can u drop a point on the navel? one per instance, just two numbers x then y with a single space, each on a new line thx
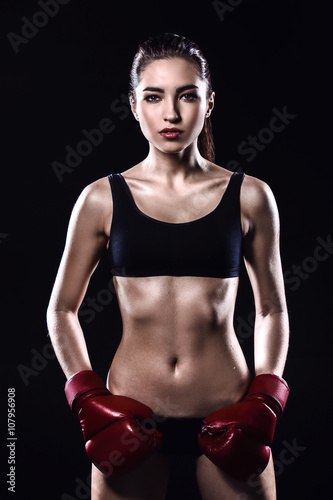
174 362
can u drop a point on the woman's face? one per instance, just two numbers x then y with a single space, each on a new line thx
171 95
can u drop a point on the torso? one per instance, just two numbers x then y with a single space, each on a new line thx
179 353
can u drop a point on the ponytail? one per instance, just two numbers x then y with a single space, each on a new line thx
206 141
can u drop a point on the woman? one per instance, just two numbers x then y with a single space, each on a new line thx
175 226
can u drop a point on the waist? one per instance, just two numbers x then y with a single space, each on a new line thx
186 384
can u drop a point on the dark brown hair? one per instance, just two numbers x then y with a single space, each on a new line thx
170 45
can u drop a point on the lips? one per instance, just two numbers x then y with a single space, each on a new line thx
171 133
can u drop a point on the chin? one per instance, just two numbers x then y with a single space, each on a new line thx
172 151
171 148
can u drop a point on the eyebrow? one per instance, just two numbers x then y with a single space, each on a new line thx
178 90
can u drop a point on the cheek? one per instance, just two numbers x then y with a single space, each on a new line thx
147 117
195 112
148 125
196 118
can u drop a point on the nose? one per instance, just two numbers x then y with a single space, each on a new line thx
171 112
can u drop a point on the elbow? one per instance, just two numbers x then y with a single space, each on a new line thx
50 310
277 318
55 313
265 312
51 319
275 304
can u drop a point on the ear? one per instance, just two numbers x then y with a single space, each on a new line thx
133 107
211 101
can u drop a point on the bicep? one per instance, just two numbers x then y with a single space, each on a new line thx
85 242
262 249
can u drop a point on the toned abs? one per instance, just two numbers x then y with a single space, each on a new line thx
179 353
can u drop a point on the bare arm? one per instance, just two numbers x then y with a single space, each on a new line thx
263 263
86 238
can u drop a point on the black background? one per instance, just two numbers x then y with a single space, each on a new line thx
263 55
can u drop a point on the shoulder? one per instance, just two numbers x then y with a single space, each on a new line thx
94 195
257 202
94 204
256 193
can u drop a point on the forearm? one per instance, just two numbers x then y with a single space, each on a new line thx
271 340
68 341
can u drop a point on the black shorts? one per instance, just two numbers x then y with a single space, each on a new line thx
180 435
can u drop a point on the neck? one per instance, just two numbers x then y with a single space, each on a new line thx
171 166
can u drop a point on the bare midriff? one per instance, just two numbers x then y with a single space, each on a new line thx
179 353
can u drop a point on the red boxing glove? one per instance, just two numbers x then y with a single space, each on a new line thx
238 437
118 431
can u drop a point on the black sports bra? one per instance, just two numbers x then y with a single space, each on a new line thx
143 246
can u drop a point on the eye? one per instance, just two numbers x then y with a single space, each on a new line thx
152 98
189 97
